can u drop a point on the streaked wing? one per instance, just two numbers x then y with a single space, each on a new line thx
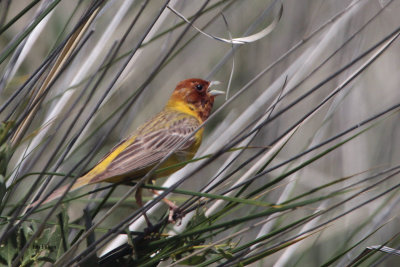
150 147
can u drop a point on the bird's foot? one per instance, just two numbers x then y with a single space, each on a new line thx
149 229
152 231
175 215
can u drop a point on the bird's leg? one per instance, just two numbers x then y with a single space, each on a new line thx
139 201
174 211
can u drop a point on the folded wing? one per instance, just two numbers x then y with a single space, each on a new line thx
149 147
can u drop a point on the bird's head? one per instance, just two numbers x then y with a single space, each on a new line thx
196 95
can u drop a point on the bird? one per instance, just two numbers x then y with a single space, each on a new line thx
187 108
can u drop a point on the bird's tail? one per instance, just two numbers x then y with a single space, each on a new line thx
80 182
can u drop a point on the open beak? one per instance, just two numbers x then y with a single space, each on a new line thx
215 92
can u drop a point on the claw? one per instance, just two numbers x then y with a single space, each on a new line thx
175 215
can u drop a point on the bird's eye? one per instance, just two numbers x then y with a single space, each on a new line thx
199 87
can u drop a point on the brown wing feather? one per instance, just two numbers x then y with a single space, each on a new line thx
149 148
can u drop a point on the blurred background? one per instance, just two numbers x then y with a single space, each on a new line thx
76 77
